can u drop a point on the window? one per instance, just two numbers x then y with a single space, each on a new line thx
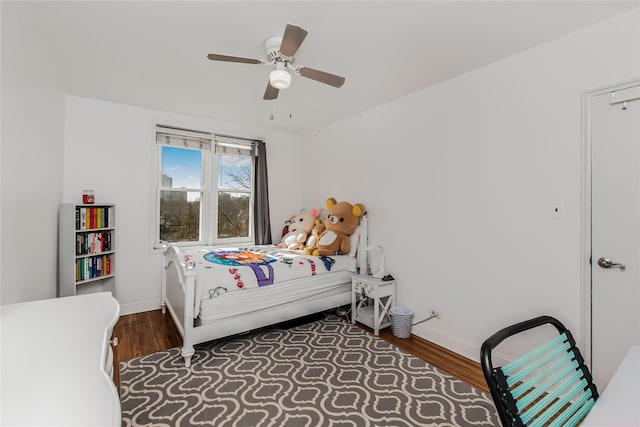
204 188
234 189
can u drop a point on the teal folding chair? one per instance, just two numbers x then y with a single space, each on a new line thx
549 386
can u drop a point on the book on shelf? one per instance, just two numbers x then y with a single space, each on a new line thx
92 267
93 243
89 218
83 218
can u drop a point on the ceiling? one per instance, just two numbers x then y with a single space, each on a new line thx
153 53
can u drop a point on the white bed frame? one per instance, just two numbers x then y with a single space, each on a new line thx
178 295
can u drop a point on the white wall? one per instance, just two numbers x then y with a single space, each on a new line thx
32 161
109 149
467 169
459 180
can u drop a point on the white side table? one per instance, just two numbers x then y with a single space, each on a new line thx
381 293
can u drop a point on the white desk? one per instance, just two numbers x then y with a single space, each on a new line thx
619 402
55 357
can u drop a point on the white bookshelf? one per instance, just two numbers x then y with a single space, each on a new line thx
86 249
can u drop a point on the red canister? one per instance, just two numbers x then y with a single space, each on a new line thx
88 197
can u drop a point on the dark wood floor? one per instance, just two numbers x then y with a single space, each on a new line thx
145 333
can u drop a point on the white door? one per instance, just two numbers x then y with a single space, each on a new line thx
615 232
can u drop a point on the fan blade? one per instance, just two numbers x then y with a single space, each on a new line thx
270 92
292 39
226 58
321 76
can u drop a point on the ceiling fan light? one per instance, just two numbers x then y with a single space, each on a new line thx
280 79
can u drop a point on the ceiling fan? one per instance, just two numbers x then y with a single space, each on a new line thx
281 51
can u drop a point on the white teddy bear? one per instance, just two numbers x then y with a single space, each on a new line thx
300 226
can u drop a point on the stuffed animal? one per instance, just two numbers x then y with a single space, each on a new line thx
285 228
312 241
300 226
342 221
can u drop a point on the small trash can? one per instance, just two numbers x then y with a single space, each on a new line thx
401 318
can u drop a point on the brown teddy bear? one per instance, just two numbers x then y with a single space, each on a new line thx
312 241
342 221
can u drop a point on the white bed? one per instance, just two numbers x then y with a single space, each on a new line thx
233 303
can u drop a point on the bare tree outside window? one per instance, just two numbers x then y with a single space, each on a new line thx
179 217
234 175
240 177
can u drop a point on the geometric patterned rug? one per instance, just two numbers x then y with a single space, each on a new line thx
325 373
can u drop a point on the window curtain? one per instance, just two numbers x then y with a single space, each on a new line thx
262 220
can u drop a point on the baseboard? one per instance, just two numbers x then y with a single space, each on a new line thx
139 307
447 341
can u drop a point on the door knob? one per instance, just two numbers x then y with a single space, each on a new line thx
608 263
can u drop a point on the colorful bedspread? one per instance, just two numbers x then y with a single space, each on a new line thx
221 270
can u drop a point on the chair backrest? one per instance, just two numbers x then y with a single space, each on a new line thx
549 386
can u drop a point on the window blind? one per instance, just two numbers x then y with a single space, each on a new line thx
238 146
183 138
